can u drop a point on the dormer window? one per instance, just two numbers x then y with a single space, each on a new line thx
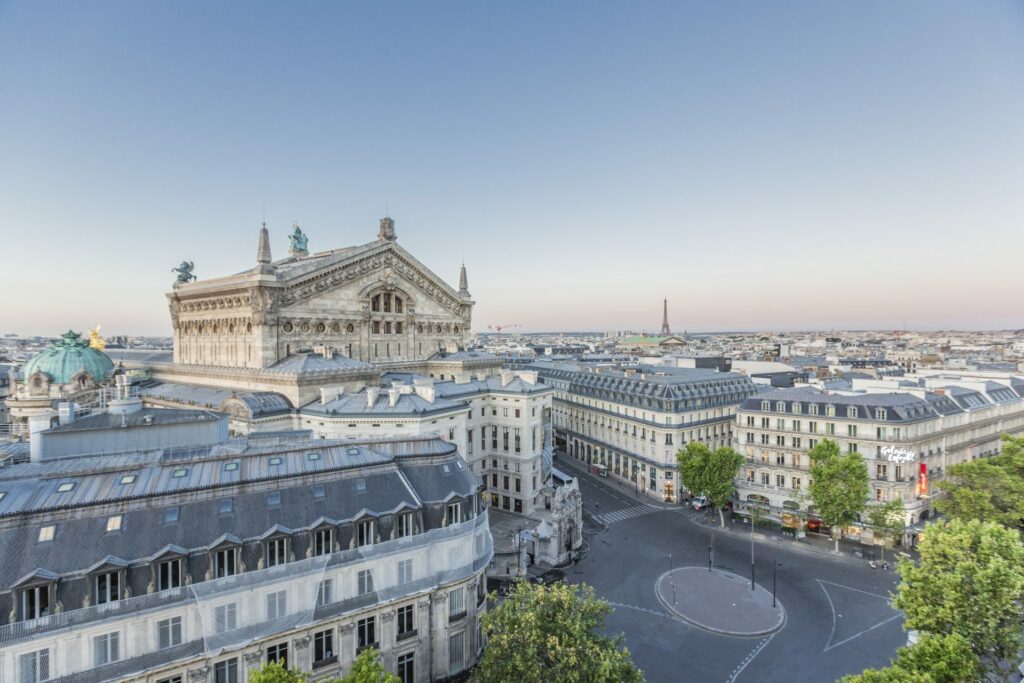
34 602
276 551
108 587
168 574
453 513
323 541
813 409
880 414
225 562
403 525
171 515
46 533
113 523
766 406
830 411
365 533
851 412
780 407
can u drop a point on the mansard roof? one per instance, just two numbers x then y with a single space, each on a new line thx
894 407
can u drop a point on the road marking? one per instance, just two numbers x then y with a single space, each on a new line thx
623 514
851 588
750 657
829 645
660 613
858 635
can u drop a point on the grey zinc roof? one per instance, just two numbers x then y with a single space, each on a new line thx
310 363
463 390
260 403
163 416
355 405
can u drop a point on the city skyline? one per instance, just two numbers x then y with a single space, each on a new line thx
584 165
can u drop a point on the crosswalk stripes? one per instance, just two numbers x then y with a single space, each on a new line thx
614 516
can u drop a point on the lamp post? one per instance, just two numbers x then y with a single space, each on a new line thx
751 547
711 551
775 566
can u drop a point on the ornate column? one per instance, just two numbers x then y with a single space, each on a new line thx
346 644
303 653
387 635
252 661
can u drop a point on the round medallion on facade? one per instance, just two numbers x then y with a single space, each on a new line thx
335 328
304 327
321 328
350 328
288 327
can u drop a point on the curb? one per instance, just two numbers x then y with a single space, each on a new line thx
784 543
711 629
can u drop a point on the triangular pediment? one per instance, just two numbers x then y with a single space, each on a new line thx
394 265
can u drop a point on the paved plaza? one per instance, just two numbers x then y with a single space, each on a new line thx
834 611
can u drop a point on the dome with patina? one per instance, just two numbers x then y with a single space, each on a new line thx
64 359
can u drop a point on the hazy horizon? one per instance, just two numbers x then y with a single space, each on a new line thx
778 167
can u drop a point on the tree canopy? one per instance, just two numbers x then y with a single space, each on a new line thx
969 581
887 519
552 633
839 485
366 669
709 473
990 489
933 659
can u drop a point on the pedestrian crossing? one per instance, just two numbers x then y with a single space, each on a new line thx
608 518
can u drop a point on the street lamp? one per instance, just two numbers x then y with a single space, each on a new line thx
752 547
775 566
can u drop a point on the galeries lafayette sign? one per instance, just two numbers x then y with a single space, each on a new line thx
894 454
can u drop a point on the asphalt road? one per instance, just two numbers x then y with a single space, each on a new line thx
838 617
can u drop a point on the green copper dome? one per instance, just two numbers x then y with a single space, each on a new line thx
63 359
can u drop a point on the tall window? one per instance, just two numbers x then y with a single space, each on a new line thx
457 603
365 581
224 563
455 652
106 649
323 646
406 621
226 671
277 605
404 571
168 632
225 618
364 533
108 587
168 574
406 671
34 667
323 592
276 551
278 653
322 541
35 602
366 632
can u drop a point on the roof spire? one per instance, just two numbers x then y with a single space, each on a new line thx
463 282
263 251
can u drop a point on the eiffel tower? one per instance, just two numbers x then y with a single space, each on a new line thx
664 321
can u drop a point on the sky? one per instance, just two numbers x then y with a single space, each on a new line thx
768 166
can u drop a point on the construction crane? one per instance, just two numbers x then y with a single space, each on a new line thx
498 328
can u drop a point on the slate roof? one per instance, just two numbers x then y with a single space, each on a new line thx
367 478
897 407
310 363
467 390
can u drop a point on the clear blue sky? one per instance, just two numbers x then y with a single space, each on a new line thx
771 165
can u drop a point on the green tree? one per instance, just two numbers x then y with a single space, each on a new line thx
368 669
933 659
552 633
888 520
709 473
970 582
839 485
274 672
990 489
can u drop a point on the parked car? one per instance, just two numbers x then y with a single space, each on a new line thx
700 502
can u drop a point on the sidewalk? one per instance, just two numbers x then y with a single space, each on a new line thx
812 543
568 463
